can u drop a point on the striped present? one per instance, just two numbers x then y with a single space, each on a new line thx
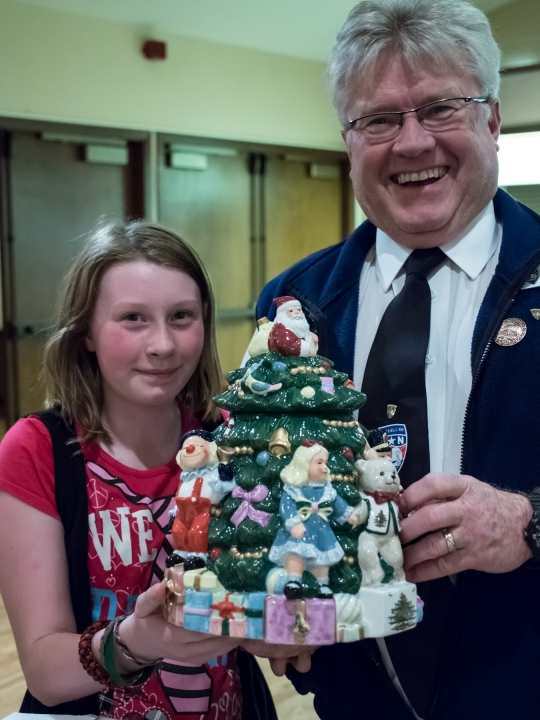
197 610
254 613
228 616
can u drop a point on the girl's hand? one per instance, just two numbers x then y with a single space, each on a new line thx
150 637
298 531
299 656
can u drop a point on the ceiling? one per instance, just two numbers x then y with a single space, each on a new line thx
302 28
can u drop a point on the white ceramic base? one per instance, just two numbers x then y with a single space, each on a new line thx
388 609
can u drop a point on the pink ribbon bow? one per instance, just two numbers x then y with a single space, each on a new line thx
246 509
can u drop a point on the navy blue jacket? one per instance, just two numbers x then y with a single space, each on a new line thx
492 668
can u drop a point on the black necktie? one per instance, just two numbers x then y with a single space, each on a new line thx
396 375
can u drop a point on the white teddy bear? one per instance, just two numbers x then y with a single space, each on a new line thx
379 489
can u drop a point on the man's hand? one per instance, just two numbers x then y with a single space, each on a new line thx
279 655
486 524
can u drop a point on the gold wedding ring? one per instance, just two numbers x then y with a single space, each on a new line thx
449 540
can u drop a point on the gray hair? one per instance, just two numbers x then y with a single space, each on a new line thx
448 33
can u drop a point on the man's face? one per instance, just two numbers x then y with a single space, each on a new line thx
431 212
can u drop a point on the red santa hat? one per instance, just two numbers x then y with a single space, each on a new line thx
286 302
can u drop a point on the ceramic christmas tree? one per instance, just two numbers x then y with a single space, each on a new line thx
283 543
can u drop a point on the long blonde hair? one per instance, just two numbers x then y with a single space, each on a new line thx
70 371
296 472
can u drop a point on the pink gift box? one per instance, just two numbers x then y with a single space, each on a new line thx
232 628
297 622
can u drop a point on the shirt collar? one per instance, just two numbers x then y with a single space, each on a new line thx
471 250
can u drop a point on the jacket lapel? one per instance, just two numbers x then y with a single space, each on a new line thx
519 255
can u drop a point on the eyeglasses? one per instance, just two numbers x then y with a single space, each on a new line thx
434 116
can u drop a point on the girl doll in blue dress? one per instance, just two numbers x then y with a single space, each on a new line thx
306 541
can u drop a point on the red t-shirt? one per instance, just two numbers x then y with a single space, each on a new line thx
128 514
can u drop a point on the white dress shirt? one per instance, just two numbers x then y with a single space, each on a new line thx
457 288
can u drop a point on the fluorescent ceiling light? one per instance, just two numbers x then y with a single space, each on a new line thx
519 159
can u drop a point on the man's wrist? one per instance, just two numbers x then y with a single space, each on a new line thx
531 530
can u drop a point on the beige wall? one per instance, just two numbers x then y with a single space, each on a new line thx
517 30
62 67
516 27
520 100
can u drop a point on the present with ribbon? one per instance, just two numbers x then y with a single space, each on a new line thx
349 614
299 622
350 633
228 616
173 607
254 613
202 579
246 509
197 610
229 628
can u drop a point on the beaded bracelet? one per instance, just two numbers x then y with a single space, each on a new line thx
92 667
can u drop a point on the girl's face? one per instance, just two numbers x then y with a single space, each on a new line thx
318 469
147 332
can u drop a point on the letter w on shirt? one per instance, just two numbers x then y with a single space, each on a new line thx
121 542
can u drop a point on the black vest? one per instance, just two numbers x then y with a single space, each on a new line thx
72 506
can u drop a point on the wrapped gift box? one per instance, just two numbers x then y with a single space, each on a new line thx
254 613
202 579
173 608
297 622
224 626
388 608
349 617
228 615
197 610
350 633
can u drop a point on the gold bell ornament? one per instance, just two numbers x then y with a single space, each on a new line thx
279 443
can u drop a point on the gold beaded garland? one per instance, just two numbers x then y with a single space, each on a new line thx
342 478
242 556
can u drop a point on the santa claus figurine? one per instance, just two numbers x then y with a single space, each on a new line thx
291 334
203 482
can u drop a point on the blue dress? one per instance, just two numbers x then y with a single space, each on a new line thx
313 505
